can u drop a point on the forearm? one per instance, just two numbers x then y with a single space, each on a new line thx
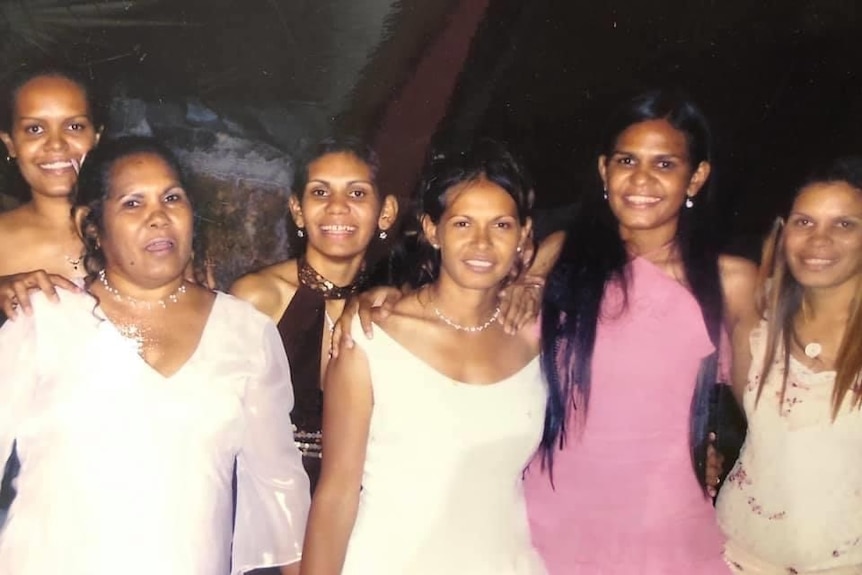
330 524
547 254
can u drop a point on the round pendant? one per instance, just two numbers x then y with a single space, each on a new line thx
813 349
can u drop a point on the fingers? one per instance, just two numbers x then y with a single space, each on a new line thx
714 467
519 305
366 319
15 290
209 273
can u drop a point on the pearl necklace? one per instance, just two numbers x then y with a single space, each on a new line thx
468 328
134 302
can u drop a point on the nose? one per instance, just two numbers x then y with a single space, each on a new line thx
821 235
641 174
337 204
481 236
56 140
157 217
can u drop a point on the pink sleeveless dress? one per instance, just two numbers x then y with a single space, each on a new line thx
626 499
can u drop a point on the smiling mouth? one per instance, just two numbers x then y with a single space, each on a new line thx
479 265
59 166
338 229
817 262
638 200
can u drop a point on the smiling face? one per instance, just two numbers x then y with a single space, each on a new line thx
147 222
648 175
340 209
51 133
478 234
823 236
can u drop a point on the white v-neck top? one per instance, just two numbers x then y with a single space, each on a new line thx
124 470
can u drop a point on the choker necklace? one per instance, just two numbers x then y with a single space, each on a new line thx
134 302
468 328
310 278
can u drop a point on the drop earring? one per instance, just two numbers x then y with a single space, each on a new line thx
382 235
300 233
605 193
689 202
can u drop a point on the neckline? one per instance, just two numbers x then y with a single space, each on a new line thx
191 359
317 283
458 383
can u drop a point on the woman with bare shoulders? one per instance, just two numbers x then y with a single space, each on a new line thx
338 211
49 122
631 334
793 501
428 427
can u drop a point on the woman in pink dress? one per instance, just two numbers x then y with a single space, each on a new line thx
634 314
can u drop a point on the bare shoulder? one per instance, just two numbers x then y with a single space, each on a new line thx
269 289
736 273
13 222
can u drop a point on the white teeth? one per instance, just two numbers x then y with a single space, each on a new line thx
338 228
479 263
642 200
816 262
57 166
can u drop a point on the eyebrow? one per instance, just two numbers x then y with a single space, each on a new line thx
350 182
75 117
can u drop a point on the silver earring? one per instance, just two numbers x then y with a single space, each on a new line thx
300 233
382 235
519 249
689 203
605 194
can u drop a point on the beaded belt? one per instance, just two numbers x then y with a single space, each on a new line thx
308 443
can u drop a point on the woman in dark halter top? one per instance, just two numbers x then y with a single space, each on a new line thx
338 212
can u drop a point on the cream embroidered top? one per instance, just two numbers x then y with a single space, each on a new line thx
794 497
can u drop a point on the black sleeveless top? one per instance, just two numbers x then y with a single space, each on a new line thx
301 328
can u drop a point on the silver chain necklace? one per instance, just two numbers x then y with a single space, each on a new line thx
468 328
134 302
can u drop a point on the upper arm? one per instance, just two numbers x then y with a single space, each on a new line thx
347 406
739 284
262 291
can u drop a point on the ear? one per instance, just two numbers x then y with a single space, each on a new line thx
388 213
10 145
85 231
429 228
603 170
526 233
295 211
698 179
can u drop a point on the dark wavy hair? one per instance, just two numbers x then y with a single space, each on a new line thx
22 76
414 261
94 183
594 256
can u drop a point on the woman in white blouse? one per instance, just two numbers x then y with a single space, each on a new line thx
132 403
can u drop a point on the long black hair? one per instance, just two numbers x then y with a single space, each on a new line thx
594 256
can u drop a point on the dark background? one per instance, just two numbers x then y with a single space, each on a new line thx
780 80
